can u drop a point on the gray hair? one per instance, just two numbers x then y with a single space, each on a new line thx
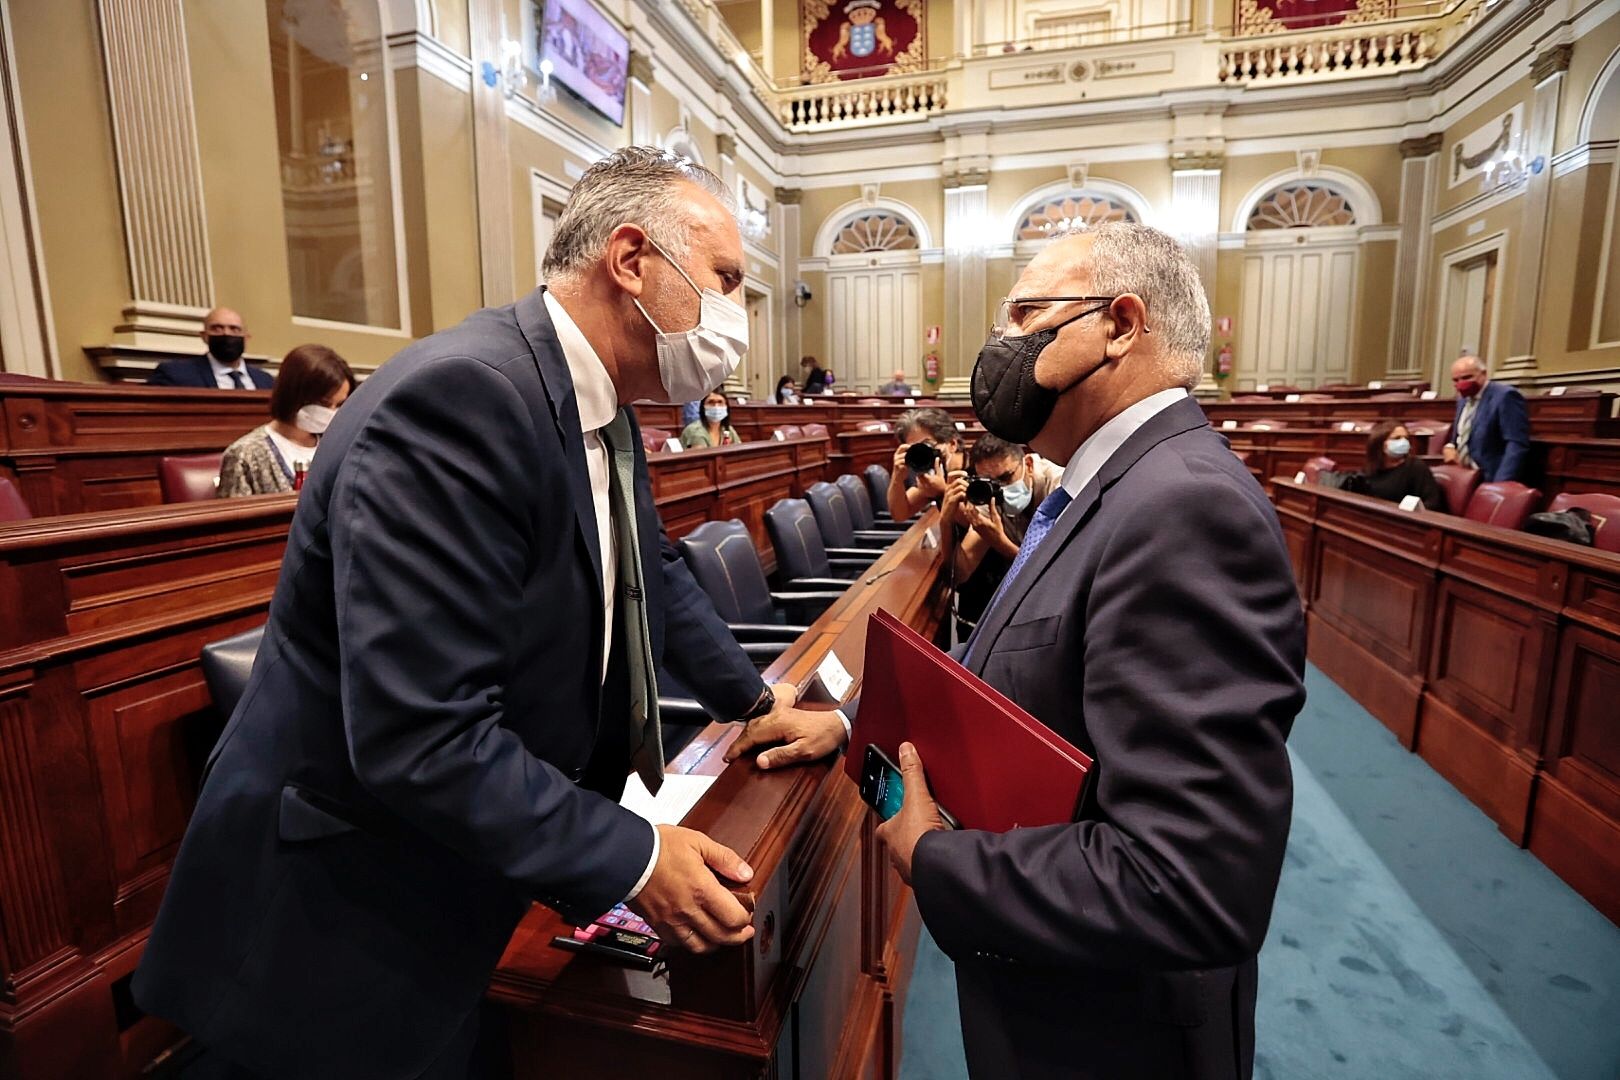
1473 361
1129 258
638 185
936 422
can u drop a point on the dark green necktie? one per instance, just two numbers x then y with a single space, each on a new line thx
646 740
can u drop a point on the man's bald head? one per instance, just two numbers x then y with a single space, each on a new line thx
223 320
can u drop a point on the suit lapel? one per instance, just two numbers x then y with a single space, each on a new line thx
535 322
1183 416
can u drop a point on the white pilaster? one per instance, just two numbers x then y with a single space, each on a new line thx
1410 300
967 224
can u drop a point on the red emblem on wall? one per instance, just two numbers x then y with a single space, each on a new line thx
1278 16
854 39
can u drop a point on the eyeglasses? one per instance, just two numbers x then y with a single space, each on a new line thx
1015 310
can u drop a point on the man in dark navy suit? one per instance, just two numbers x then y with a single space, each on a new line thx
458 669
1491 428
222 368
1151 619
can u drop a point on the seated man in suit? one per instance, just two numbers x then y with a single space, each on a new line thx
1151 619
897 385
458 670
1491 429
222 368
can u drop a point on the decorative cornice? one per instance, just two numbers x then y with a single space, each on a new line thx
641 68
1204 161
1423 147
1555 61
967 178
787 196
726 143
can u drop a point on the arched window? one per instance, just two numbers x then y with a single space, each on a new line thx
337 184
1301 206
1077 209
876 230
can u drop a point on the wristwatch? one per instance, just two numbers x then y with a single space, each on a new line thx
766 702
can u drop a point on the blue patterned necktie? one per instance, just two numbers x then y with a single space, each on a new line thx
236 378
1046 516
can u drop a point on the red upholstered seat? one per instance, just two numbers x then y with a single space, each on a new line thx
1503 502
1458 482
790 431
1605 511
12 507
1317 466
192 478
653 439
815 431
873 425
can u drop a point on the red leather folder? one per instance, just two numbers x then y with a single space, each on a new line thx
990 763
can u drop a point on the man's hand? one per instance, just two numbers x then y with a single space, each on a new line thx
987 523
685 902
794 736
933 483
896 475
918 814
1448 454
955 508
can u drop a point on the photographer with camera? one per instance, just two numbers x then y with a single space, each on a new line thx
930 452
992 505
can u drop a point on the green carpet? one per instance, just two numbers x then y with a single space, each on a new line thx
1410 938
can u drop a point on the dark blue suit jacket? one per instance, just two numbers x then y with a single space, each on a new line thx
1158 628
414 756
1500 437
196 371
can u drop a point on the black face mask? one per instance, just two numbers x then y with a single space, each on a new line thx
1006 397
226 348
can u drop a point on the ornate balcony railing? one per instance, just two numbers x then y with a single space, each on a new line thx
889 98
1347 49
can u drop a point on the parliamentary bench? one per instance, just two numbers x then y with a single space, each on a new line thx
1575 414
1493 653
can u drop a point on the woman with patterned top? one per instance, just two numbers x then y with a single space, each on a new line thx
312 383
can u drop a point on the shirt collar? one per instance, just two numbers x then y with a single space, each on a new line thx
594 393
1100 445
222 368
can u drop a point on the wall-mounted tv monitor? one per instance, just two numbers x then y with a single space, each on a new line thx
589 55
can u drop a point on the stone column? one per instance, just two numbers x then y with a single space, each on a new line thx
788 241
1419 159
491 155
1524 296
727 145
641 83
967 200
1195 194
154 129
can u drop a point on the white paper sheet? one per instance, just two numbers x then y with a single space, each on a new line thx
672 803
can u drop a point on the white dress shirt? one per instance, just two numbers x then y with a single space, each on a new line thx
222 374
598 403
1100 445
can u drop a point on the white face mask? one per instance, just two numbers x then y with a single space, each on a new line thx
691 363
314 419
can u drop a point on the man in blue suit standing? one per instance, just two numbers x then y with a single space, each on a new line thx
458 670
223 367
1491 430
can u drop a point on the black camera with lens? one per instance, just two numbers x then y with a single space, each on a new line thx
920 457
982 492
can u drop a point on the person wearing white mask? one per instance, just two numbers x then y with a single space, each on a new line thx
713 425
991 517
312 383
460 665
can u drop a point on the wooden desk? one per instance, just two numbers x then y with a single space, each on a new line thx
741 482
1568 416
821 989
74 448
1494 654
105 722
757 420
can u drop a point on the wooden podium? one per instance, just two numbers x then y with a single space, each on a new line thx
820 990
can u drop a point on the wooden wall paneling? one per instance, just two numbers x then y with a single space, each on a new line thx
1578 465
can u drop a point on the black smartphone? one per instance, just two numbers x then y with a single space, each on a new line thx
883 788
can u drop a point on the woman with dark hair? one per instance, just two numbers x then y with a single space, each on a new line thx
787 392
312 383
815 380
1394 472
713 428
